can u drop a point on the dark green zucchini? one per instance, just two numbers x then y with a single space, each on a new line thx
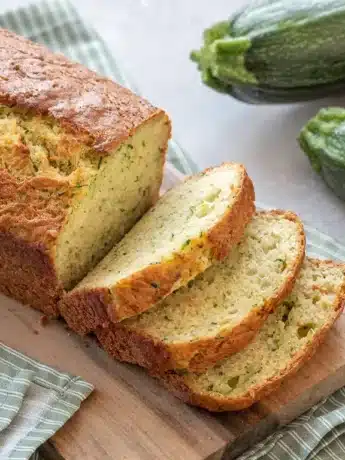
277 51
323 140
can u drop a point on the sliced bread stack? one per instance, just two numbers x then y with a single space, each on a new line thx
219 312
289 337
209 296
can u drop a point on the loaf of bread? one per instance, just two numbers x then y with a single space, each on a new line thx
81 159
287 340
222 309
190 227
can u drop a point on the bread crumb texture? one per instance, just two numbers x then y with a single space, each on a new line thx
221 297
287 334
33 146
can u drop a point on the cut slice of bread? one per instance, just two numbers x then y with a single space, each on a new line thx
287 340
190 227
220 311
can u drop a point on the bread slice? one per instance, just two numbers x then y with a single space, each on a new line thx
287 340
81 159
220 312
191 226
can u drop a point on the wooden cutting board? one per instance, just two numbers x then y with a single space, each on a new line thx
131 417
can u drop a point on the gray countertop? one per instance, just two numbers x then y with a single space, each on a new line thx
152 39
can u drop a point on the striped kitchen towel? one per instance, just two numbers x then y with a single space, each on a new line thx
319 434
35 401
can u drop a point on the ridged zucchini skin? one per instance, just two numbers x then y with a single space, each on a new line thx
323 141
277 51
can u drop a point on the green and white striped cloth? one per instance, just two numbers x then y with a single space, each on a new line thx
318 434
35 401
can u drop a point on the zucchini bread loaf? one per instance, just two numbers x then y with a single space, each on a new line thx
81 159
190 227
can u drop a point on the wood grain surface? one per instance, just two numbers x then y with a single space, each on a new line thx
131 417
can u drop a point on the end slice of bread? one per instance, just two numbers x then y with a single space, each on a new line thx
287 340
219 312
190 227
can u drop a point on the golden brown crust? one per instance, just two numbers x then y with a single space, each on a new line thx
32 213
142 290
27 274
131 345
178 384
127 345
34 209
32 77
225 234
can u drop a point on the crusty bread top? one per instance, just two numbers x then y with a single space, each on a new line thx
286 340
32 77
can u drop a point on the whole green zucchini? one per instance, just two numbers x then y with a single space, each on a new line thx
277 51
323 140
